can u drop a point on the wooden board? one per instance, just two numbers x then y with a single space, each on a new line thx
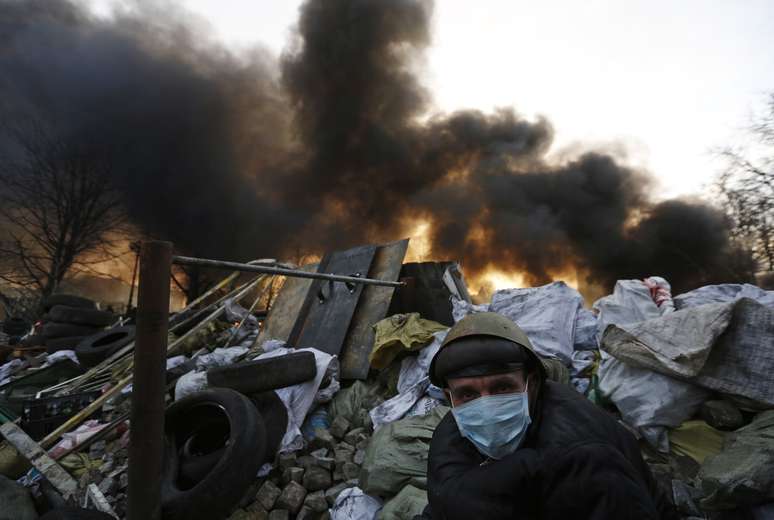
48 467
373 306
327 312
282 316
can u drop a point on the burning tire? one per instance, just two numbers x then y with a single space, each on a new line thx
67 300
217 424
75 315
93 349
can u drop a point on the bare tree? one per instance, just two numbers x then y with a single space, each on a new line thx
746 187
59 212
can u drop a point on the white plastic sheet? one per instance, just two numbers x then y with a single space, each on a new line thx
7 370
298 399
354 504
219 357
722 293
414 387
59 355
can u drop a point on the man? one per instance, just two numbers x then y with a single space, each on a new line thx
516 446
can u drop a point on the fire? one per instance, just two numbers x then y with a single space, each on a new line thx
420 245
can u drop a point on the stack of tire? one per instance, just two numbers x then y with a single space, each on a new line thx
69 320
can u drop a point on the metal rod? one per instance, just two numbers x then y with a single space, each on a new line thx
203 262
134 280
146 436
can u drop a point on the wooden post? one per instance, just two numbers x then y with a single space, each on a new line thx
146 448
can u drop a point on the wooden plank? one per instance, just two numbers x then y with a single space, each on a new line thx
48 467
283 313
373 306
331 305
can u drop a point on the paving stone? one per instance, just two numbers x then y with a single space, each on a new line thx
286 460
306 461
279 514
332 493
316 502
306 514
322 439
354 436
350 470
325 462
322 452
359 457
343 455
316 478
292 498
292 475
339 427
268 494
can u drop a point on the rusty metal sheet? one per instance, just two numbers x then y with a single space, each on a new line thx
327 312
373 306
283 313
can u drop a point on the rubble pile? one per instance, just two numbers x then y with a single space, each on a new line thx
261 426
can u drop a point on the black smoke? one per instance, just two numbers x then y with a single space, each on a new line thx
332 144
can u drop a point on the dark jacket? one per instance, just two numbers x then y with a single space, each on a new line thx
576 463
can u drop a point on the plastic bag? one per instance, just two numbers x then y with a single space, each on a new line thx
397 454
353 504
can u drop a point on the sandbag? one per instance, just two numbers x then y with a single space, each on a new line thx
354 402
742 473
631 302
723 293
546 314
411 501
585 335
723 347
397 454
401 333
649 401
697 440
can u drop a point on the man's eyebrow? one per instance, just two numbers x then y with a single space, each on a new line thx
505 379
464 388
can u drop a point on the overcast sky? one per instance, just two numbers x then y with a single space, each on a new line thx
669 80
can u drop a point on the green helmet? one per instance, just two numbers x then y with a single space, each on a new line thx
481 326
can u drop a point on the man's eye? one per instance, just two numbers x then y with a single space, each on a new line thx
505 389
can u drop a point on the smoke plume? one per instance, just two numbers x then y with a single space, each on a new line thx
332 144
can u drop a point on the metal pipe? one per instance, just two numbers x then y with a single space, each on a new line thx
203 262
247 315
146 435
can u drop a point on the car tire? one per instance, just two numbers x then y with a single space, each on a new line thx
275 419
69 343
66 330
68 300
93 349
251 377
75 513
16 326
210 415
94 317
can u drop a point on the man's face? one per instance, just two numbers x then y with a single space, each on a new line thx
464 389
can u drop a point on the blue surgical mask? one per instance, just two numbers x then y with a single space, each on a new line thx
495 424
